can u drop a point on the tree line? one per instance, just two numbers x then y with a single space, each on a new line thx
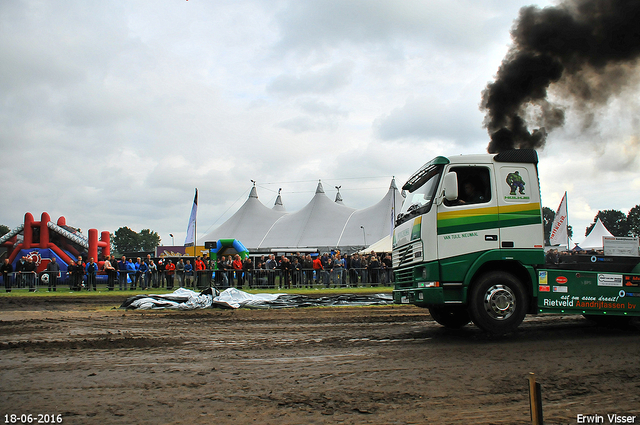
615 221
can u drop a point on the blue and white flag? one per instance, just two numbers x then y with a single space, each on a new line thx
191 229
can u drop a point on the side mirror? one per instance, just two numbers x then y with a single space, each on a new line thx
450 186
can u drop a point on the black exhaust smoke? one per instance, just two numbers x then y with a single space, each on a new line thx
585 50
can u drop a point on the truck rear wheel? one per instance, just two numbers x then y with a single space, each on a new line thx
498 303
453 317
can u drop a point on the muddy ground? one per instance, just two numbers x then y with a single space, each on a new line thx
94 364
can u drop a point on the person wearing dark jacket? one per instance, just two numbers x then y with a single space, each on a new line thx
53 272
6 269
29 270
92 271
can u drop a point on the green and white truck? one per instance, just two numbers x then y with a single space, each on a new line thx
468 245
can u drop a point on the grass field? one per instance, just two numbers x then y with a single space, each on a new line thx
101 292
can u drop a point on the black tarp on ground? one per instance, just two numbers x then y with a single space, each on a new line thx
185 299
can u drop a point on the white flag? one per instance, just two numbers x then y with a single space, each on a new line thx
559 233
191 229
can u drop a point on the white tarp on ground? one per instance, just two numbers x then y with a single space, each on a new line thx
185 299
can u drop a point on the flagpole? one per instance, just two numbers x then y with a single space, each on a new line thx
567 204
195 231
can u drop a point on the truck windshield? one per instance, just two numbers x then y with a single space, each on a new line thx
421 194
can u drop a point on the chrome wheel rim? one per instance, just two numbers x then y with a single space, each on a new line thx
500 302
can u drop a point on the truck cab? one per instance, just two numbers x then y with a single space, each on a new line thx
469 237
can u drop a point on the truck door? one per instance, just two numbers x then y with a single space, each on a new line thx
469 226
519 207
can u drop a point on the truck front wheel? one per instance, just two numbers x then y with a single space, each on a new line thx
498 303
453 317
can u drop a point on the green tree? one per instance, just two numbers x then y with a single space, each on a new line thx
633 220
548 215
4 229
148 239
126 240
615 221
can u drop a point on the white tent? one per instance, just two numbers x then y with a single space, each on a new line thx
318 224
249 224
383 245
594 239
322 224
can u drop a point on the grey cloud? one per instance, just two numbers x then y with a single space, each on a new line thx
303 124
316 24
315 107
428 118
326 80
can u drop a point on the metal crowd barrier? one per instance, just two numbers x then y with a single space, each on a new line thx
201 279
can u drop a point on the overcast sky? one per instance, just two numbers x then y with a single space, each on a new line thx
112 113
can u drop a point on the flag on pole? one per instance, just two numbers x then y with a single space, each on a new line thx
191 228
559 234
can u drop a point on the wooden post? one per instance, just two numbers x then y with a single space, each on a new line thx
535 400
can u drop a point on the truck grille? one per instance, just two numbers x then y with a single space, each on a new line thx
402 256
404 278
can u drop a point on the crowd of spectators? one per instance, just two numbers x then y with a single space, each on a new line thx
304 270
265 271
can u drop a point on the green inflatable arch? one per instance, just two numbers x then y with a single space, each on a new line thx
225 245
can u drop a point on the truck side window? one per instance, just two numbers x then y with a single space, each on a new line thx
474 185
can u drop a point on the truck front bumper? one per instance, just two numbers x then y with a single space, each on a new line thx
422 297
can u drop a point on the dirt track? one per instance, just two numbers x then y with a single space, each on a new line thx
370 365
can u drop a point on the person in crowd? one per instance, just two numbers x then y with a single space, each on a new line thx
337 269
169 269
364 271
153 275
318 268
552 257
237 268
7 274
91 270
388 265
221 274
79 275
374 269
138 273
285 272
71 275
19 275
200 267
131 271
247 270
53 273
122 267
327 266
188 273
161 274
354 269
296 272
180 272
29 272
108 269
260 273
271 266
143 271
307 271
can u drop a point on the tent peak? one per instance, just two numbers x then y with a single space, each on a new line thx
338 196
279 206
319 189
